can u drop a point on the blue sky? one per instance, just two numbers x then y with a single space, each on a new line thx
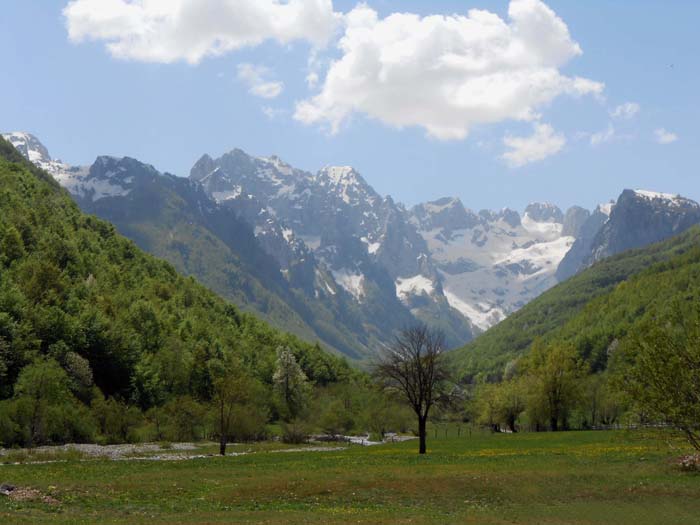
82 101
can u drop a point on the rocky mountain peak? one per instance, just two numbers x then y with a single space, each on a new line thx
544 212
29 146
447 213
511 217
203 167
605 208
34 151
657 199
347 184
638 218
574 219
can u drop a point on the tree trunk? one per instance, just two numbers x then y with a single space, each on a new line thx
554 424
421 434
222 444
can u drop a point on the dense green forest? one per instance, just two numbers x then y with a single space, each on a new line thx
95 335
593 310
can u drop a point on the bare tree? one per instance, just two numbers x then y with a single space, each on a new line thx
414 366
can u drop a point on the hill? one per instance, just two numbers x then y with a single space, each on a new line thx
73 289
593 309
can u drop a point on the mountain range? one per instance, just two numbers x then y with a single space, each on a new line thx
325 256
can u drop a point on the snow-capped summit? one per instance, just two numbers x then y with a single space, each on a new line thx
34 151
347 184
447 213
669 199
29 146
339 174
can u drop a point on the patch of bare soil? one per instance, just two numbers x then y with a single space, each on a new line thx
27 494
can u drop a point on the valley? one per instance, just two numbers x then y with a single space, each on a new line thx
315 261
324 255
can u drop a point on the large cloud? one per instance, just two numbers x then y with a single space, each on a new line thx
447 73
172 30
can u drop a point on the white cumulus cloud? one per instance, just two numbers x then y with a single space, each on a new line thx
664 136
172 30
625 111
256 77
447 73
544 142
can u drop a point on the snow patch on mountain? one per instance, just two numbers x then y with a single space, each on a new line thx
548 230
220 196
97 189
416 285
35 152
606 208
77 180
342 181
670 198
501 262
351 281
372 247
481 315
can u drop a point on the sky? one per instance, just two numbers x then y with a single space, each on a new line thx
498 102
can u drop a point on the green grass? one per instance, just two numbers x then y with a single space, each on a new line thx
578 477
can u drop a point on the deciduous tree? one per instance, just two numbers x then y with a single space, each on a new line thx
663 380
414 366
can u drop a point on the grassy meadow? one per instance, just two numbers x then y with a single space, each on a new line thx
570 477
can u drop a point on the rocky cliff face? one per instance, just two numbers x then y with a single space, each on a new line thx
638 218
574 220
643 217
572 262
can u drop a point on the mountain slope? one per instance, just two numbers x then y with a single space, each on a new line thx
172 218
572 306
336 224
71 286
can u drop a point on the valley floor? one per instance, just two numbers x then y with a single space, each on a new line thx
575 478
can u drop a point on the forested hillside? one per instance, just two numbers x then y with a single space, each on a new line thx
171 218
84 305
594 309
